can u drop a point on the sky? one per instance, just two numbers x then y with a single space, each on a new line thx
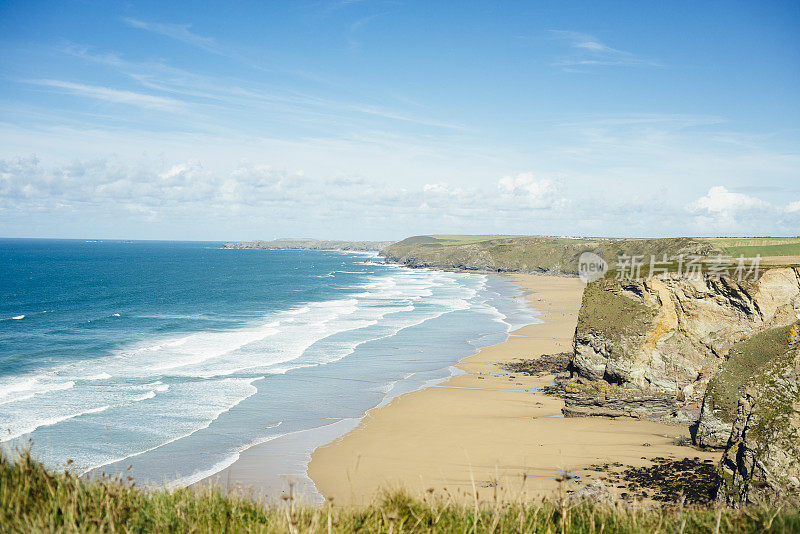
381 119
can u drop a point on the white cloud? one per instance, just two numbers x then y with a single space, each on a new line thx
182 172
158 190
254 200
178 32
116 96
587 50
721 201
532 192
435 188
721 209
794 207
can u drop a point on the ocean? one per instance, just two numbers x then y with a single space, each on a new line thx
174 357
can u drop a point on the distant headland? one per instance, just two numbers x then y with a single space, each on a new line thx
311 244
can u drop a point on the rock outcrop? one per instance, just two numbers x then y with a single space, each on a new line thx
659 341
595 491
745 360
600 398
762 460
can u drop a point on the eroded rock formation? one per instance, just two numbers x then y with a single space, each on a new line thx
762 459
659 342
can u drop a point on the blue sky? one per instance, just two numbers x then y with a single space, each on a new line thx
381 119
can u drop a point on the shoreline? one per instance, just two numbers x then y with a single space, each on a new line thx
270 469
488 433
258 471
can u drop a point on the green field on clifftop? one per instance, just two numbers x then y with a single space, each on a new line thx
542 254
752 246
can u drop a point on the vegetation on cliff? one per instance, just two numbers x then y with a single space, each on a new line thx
608 312
554 255
762 460
746 360
33 499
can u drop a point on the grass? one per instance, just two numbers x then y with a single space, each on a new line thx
752 246
446 240
530 253
610 314
33 499
454 239
765 251
775 413
746 359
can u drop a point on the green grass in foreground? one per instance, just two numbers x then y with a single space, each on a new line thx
33 499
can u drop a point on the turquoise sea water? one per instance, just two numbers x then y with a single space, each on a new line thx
175 357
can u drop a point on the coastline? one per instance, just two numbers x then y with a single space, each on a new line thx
264 470
488 434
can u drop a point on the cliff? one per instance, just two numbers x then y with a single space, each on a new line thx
662 340
761 463
550 255
715 353
311 244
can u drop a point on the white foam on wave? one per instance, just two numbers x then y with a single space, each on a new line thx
405 290
159 386
18 317
13 389
99 376
198 348
14 431
496 314
25 418
223 464
320 321
213 417
146 396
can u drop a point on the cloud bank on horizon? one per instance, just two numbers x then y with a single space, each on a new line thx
379 119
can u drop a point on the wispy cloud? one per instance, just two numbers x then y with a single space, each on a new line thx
116 96
371 110
588 51
330 7
667 121
241 94
179 32
352 41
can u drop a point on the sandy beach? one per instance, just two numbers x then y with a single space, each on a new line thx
487 432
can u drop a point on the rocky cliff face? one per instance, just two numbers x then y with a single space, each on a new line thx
762 458
667 336
745 360
722 354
